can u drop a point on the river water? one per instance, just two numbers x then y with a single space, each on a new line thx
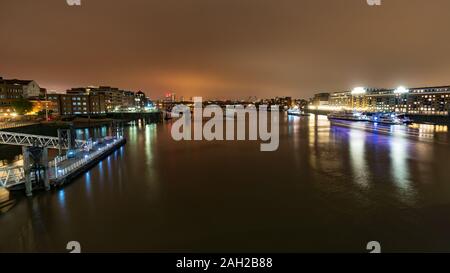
326 189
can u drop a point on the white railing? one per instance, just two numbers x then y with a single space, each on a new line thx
58 159
59 172
12 176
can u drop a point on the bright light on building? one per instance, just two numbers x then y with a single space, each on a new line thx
401 90
358 90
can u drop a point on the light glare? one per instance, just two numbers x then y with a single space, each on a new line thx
358 90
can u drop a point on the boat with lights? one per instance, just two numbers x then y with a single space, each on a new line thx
388 118
296 111
377 117
348 115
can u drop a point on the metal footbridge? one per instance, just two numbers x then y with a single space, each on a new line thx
28 140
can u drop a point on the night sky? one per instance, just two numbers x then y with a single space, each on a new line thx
226 48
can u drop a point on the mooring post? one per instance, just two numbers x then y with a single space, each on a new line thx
27 171
70 143
45 162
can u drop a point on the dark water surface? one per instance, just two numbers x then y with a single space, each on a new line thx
326 189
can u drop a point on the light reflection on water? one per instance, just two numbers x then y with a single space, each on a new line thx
327 188
357 142
62 199
88 183
361 143
399 161
429 128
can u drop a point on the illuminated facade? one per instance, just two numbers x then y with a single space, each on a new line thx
17 89
141 100
431 101
340 99
417 101
12 90
115 99
321 99
40 106
78 104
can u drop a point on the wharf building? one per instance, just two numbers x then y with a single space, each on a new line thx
414 101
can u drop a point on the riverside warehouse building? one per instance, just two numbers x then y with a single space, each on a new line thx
428 101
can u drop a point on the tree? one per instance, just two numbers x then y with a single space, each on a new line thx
21 106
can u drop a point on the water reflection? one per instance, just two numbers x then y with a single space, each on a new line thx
294 133
163 194
319 129
100 172
150 137
108 164
357 141
399 162
323 155
87 182
62 199
93 132
430 128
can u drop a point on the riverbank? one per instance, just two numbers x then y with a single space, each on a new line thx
6 203
10 153
438 120
82 122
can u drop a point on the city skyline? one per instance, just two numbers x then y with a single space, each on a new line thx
226 50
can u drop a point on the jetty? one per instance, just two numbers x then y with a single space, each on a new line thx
38 172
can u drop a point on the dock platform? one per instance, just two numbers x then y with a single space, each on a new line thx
60 172
61 169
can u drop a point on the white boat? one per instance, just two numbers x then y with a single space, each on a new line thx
382 118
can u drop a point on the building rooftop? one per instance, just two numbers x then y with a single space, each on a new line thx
14 81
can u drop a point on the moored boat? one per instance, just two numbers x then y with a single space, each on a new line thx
295 111
348 115
388 118
383 118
